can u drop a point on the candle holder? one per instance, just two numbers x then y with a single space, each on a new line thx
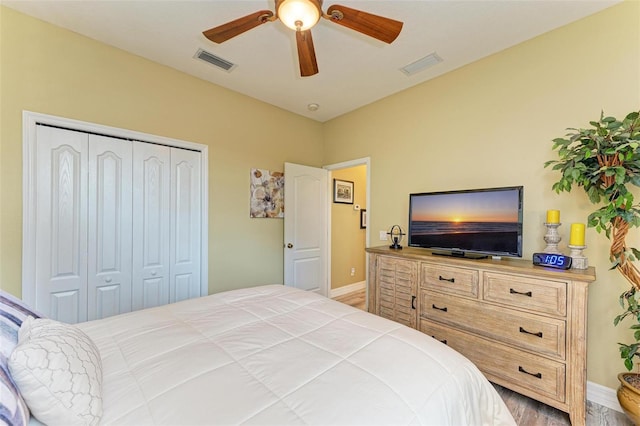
552 238
578 261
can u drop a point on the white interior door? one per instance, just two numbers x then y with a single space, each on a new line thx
61 224
305 227
110 224
151 237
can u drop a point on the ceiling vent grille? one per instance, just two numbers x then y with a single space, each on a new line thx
217 61
422 64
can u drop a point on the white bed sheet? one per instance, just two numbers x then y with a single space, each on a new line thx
277 355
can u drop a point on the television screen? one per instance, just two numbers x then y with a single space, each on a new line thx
471 223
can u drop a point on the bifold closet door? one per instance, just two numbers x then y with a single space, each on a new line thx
185 225
117 225
166 225
61 224
151 224
110 225
83 231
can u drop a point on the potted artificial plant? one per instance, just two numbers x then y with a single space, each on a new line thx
605 161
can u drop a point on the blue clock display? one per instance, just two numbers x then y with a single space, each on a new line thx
552 260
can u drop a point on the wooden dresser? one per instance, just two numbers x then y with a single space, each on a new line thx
524 326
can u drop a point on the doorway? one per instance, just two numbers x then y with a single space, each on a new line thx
348 229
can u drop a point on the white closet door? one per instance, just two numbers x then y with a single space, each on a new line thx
110 226
151 221
185 224
61 224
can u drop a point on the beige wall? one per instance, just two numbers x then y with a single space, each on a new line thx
50 70
347 239
491 124
486 124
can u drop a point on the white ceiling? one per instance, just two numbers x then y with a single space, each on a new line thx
355 70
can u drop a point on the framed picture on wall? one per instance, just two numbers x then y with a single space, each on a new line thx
363 219
342 191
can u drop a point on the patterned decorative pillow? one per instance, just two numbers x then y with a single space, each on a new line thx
13 409
58 370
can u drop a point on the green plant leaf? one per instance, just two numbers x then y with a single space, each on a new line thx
583 159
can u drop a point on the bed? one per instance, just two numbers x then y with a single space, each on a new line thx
274 355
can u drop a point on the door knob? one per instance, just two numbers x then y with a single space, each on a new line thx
289 245
107 280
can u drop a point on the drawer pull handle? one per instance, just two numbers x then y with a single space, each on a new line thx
528 293
441 341
413 302
537 375
440 309
451 280
539 333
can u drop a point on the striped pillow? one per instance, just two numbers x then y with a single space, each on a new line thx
13 409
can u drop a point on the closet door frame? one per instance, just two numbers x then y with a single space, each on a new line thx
29 148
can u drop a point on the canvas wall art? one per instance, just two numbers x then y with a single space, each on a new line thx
267 193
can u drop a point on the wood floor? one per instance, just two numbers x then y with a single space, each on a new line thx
355 299
526 411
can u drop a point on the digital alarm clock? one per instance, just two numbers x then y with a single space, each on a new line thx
552 260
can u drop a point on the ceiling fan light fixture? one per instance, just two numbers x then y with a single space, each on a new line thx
299 14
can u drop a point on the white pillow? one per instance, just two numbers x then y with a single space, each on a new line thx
59 373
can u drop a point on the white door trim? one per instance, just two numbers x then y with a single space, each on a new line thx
29 121
344 165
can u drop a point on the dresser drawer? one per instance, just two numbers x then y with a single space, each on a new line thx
518 329
454 280
532 294
524 371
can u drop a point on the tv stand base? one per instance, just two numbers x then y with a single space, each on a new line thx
460 253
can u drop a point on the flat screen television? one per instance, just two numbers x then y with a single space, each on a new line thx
472 223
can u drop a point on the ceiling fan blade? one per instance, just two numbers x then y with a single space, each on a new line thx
384 29
236 27
306 54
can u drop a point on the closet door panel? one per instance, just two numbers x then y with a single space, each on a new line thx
109 300
151 221
61 224
67 306
185 224
110 226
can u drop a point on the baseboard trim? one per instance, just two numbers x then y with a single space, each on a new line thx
340 291
603 395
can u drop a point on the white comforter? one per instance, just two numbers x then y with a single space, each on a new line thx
276 355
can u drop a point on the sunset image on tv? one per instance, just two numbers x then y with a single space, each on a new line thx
474 220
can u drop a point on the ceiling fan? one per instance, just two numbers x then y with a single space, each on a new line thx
301 15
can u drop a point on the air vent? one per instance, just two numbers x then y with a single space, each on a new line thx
217 61
422 64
